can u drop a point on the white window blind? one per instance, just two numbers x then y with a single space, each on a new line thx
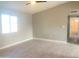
9 23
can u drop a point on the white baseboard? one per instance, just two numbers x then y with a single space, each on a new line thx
26 40
50 40
16 43
57 41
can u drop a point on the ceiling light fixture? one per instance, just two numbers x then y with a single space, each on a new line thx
33 2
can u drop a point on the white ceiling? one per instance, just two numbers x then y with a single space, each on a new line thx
22 7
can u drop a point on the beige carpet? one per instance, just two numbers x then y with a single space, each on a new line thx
40 49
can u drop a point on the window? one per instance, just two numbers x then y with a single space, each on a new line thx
9 23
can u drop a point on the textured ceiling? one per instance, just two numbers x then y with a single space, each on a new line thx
22 7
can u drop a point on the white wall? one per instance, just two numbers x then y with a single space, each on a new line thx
24 28
52 23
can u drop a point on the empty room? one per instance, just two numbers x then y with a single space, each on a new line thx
39 29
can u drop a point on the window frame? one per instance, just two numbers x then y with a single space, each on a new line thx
10 27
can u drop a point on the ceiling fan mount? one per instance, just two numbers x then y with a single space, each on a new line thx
36 2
